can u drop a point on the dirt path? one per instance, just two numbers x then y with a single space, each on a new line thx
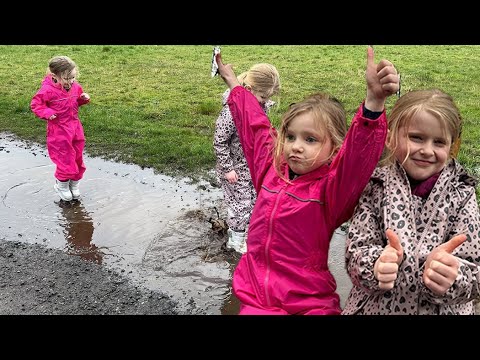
39 281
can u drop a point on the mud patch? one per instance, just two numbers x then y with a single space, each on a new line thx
192 249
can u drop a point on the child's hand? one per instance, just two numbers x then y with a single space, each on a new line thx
85 97
231 177
382 81
53 117
441 267
226 72
386 267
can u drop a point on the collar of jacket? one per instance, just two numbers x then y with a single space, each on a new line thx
380 173
321 172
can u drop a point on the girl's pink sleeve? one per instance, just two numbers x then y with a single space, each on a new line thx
81 101
39 105
255 132
354 164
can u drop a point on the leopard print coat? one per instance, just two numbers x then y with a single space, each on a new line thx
422 225
239 197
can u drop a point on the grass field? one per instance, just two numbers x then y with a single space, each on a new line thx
156 106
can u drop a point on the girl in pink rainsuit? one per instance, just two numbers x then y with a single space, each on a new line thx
57 102
308 181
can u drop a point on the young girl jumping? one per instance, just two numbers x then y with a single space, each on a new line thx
57 102
307 184
413 244
263 81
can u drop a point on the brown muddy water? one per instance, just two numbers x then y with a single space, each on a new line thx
154 229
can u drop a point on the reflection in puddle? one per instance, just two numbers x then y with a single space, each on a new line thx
231 305
155 229
79 231
128 218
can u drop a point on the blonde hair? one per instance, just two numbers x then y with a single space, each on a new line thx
435 102
61 66
328 114
263 79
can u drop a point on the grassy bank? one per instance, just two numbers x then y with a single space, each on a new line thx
156 106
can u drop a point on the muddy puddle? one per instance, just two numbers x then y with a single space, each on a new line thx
156 230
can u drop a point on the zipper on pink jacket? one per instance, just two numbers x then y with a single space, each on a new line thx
59 99
267 247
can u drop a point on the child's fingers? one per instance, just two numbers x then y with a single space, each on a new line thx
389 255
370 56
393 240
219 59
386 68
453 243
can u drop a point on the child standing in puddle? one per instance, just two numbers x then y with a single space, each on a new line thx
57 101
263 81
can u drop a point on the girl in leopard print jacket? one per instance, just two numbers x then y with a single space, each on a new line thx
263 81
413 246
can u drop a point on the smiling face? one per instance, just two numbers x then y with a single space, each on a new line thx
306 145
423 146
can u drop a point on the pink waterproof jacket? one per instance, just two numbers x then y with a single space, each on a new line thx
65 136
285 270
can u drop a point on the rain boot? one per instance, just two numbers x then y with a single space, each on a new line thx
230 244
62 188
236 241
75 189
240 241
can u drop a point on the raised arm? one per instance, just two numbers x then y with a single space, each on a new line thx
354 164
253 126
226 73
382 81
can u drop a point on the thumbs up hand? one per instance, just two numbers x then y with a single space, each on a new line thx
382 81
441 267
386 267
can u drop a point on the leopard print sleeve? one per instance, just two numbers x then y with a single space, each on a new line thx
467 221
365 240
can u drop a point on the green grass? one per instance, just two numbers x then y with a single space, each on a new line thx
156 106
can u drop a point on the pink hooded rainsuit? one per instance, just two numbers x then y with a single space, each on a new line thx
65 137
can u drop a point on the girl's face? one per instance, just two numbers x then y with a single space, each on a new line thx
67 79
306 146
423 147
262 99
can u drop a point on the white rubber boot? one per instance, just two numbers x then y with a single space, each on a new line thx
229 241
63 189
242 249
236 241
74 188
